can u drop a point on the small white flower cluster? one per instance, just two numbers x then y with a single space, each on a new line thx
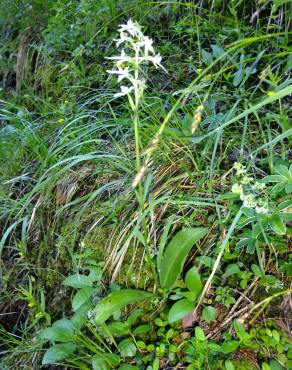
137 50
250 193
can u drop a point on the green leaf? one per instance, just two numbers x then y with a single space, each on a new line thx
162 242
256 270
207 57
193 280
119 328
57 334
176 252
229 346
127 348
229 365
95 273
64 324
133 317
116 301
239 329
277 224
142 329
209 313
274 365
58 353
265 366
206 261
238 76
81 297
180 309
78 281
80 316
99 364
218 51
156 364
231 269
111 358
199 334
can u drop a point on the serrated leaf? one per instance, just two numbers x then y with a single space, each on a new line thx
176 253
193 281
82 296
58 353
209 313
116 301
180 309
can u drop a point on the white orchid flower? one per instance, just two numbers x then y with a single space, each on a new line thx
123 38
147 43
134 54
125 90
120 59
131 27
121 72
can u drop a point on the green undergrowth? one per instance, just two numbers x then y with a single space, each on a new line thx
154 236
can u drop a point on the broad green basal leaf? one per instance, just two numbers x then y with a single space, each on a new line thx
58 353
176 252
57 334
99 364
82 296
180 309
116 301
277 224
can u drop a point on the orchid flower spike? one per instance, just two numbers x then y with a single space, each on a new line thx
137 51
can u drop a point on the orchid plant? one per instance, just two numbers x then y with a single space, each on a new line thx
137 51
